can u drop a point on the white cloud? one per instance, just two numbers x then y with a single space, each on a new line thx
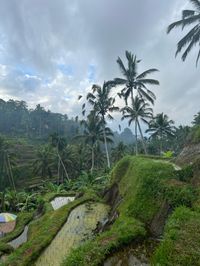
48 47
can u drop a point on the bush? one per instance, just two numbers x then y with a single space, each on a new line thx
185 174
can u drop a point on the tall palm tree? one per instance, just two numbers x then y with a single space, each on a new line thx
139 110
134 81
68 160
160 126
93 133
59 143
103 105
44 162
192 38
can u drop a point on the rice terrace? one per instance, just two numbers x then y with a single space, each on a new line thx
100 133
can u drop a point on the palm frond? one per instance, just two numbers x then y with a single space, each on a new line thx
149 81
120 81
198 56
121 66
90 96
195 39
183 22
95 87
187 13
147 72
186 39
196 4
145 95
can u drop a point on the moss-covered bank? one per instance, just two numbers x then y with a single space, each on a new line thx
143 184
41 233
181 244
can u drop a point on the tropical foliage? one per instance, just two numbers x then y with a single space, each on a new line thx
139 110
133 81
192 38
159 127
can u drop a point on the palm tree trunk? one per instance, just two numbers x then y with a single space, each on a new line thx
143 143
136 141
161 143
58 170
61 161
106 146
92 167
132 99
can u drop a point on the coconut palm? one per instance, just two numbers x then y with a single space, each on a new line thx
94 132
160 126
44 162
192 38
103 105
68 159
134 81
59 143
139 110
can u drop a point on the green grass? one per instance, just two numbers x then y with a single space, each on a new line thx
181 244
140 186
41 233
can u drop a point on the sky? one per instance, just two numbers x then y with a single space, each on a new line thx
52 51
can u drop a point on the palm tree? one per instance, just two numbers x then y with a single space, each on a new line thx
59 143
44 162
140 110
103 105
68 159
132 81
192 38
160 126
93 133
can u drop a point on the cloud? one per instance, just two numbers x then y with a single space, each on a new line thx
52 51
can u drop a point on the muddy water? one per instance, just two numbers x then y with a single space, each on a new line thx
79 227
133 255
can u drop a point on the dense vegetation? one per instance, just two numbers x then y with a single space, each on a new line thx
144 186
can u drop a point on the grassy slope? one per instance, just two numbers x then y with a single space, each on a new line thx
41 233
181 245
140 183
181 241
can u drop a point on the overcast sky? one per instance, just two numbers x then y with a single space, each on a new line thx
51 51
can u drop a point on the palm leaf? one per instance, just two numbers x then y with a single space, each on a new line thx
187 13
121 66
120 81
183 22
186 39
149 81
194 40
198 56
196 3
147 72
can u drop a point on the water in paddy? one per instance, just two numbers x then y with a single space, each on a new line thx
80 225
133 255
15 243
